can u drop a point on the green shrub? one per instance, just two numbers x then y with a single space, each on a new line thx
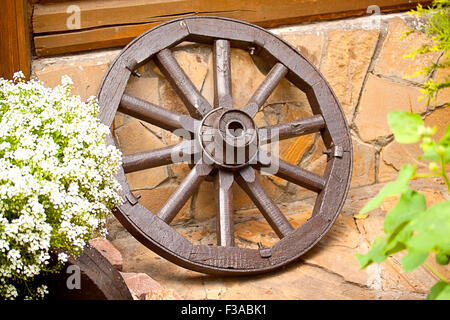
411 225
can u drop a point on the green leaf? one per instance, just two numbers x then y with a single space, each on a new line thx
445 142
442 259
375 254
405 126
430 152
431 230
395 246
440 291
409 205
413 259
395 187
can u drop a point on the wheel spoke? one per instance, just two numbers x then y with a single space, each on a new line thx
248 181
222 74
184 191
196 104
292 173
291 129
224 208
158 157
155 115
264 90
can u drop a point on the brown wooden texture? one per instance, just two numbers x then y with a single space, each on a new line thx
152 158
265 89
197 105
156 115
116 22
99 279
300 176
15 46
224 208
184 191
292 129
153 230
222 74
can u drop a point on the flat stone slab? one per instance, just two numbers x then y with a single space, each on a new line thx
162 294
329 271
140 284
108 250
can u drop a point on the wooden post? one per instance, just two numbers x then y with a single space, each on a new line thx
15 46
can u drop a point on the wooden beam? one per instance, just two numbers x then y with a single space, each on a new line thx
15 45
108 37
113 23
53 17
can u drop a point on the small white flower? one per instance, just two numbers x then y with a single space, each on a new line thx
66 81
18 75
56 177
13 254
63 257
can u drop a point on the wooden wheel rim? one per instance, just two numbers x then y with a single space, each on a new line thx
157 235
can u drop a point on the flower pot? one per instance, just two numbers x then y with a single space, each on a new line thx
90 276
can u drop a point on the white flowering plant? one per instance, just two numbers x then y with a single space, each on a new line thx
57 181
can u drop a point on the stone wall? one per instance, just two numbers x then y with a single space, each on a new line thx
362 60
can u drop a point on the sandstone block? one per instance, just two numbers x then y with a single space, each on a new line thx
363 164
259 230
292 150
162 294
245 77
134 137
119 120
310 45
381 96
205 201
256 231
286 92
195 68
170 99
155 198
144 88
140 284
346 62
390 61
180 170
390 273
259 119
336 252
86 76
385 172
193 65
108 250
443 96
147 179
396 155
318 160
241 201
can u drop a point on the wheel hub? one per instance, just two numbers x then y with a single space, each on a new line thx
228 138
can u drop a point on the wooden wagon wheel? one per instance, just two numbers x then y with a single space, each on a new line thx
153 230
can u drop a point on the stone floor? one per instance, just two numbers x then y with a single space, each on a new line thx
328 271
